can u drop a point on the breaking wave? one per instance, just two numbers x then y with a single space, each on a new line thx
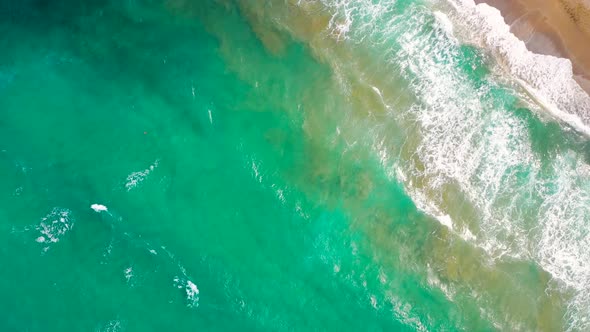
474 144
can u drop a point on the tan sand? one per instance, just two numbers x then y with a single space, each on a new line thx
553 27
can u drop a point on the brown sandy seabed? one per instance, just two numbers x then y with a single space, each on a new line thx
559 28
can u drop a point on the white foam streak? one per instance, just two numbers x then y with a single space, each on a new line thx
464 140
563 248
469 142
135 178
487 152
548 79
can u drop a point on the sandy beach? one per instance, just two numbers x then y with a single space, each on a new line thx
557 27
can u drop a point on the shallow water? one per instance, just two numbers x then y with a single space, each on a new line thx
279 165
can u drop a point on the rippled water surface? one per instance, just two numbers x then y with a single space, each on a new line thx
280 165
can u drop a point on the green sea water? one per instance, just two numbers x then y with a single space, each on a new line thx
278 166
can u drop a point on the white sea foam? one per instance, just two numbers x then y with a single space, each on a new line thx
563 246
435 282
373 300
445 23
487 152
190 289
54 226
135 178
112 326
99 208
403 311
470 142
256 171
549 79
280 193
128 273
336 268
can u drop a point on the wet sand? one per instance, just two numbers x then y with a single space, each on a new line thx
555 27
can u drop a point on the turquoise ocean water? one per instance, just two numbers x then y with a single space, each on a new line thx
279 166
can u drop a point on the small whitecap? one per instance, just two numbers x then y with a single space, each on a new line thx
128 273
112 326
336 268
373 301
446 220
98 207
135 178
191 288
191 291
54 225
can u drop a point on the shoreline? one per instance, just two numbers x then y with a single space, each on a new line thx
559 28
